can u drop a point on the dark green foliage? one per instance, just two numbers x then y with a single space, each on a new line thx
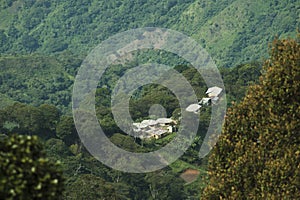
48 79
38 79
80 25
77 163
154 94
66 130
257 156
51 115
55 45
25 171
5 101
165 185
63 32
125 142
237 31
29 42
233 31
103 110
90 187
238 79
26 119
55 147
3 40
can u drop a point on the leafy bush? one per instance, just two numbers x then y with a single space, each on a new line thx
25 172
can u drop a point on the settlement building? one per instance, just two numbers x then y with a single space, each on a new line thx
156 129
213 94
195 108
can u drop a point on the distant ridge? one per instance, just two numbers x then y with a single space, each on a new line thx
232 31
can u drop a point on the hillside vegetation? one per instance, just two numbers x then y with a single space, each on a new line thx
84 175
42 46
257 155
233 31
37 79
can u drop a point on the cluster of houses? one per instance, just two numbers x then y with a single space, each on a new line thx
155 129
213 93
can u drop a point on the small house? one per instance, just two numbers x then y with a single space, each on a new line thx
214 91
195 108
214 94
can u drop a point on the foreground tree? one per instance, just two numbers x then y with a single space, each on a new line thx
258 154
25 172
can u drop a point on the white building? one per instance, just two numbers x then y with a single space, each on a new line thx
213 94
214 91
148 129
195 108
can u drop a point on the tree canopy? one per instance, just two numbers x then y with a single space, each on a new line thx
257 155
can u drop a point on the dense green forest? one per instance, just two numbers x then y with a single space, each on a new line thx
61 142
84 177
232 31
44 42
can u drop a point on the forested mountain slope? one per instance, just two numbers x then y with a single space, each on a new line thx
84 175
239 31
233 31
45 79
43 43
36 79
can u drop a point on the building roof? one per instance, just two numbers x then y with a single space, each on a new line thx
193 108
214 91
147 128
164 120
140 125
149 122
